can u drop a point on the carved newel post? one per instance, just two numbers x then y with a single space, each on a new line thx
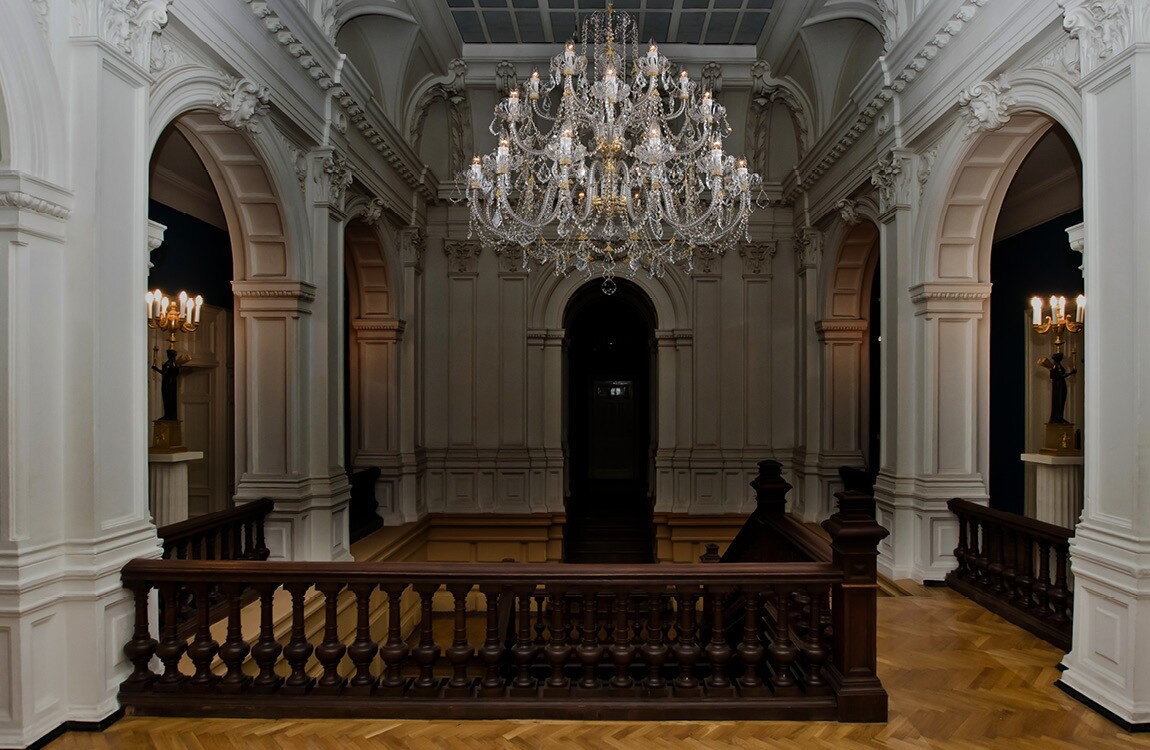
852 672
770 488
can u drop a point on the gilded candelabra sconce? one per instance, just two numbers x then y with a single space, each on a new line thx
1059 431
171 316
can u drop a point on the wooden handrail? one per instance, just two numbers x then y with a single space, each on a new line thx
637 576
233 534
1017 567
1032 526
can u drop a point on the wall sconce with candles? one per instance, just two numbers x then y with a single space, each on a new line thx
171 316
1059 432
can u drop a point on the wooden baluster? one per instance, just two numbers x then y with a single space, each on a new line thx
267 649
171 647
982 561
249 541
607 617
194 543
568 624
225 544
524 650
1058 592
996 562
203 648
261 551
637 625
460 651
1042 585
540 641
686 648
960 550
1024 581
655 649
718 650
234 649
142 647
363 649
395 649
750 649
974 553
1010 567
298 650
425 654
590 650
210 546
814 650
330 651
622 649
781 652
237 545
492 651
558 650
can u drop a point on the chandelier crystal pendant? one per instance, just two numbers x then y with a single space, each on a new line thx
612 163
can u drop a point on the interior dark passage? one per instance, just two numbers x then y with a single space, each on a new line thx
609 363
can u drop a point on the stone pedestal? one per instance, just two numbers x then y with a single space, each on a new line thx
1057 488
168 485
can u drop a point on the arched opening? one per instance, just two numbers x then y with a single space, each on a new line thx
851 360
610 347
1031 256
371 399
195 256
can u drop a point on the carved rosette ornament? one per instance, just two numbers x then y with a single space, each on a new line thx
849 211
758 258
985 104
462 256
808 249
242 102
412 246
1103 28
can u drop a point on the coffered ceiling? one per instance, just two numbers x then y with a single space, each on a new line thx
664 21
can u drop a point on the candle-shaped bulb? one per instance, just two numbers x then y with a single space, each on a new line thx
199 304
653 57
1080 308
1036 311
149 299
569 56
1054 308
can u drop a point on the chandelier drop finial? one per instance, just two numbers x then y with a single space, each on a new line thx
611 162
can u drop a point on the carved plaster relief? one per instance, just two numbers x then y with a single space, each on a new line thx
984 105
242 103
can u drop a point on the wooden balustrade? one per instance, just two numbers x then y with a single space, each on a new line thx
1016 567
584 641
233 534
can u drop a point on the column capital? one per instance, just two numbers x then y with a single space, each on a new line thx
1104 28
462 257
841 329
808 249
892 177
967 298
412 247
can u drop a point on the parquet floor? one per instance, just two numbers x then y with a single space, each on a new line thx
958 677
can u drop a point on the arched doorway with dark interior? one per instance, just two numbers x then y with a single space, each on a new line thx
196 256
1031 257
609 367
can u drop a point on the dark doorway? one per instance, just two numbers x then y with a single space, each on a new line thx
610 344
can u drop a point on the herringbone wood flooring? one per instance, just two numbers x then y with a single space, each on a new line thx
958 677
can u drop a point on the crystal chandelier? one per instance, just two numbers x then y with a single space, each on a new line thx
610 164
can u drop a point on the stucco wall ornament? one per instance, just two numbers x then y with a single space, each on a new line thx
504 77
713 78
849 211
17 199
925 168
767 90
242 102
984 105
132 25
758 257
452 92
1102 27
891 178
337 174
808 249
412 246
889 11
462 256
373 212
705 260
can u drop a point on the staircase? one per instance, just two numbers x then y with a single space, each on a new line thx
610 527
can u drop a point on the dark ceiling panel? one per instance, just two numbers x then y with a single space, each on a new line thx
695 21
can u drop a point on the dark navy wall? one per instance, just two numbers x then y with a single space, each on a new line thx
1038 262
195 256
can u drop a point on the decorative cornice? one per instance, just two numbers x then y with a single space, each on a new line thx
898 83
390 325
984 105
462 256
1103 28
758 258
356 112
959 297
17 199
844 324
242 103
